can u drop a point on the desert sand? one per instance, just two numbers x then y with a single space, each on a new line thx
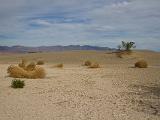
116 91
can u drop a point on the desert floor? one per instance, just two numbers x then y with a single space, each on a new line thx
116 91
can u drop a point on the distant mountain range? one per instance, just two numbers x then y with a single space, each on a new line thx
24 49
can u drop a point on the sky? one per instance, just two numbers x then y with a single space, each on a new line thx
80 22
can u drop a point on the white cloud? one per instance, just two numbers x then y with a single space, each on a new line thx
120 4
95 22
41 22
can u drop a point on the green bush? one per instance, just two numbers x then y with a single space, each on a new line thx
127 46
17 83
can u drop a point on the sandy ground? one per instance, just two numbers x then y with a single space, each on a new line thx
116 91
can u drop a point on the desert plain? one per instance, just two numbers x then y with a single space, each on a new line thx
115 91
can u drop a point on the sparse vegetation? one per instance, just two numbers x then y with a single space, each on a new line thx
91 64
23 63
141 64
94 65
40 62
17 83
17 72
38 72
87 63
59 65
126 46
30 71
31 66
125 49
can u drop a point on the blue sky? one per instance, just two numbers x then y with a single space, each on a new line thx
80 22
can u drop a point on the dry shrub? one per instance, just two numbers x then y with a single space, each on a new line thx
17 72
26 71
141 64
31 66
40 62
94 65
10 68
23 63
87 63
59 65
39 72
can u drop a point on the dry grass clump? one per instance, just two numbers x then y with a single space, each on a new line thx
87 63
141 64
26 71
39 72
40 62
91 64
59 65
94 65
17 72
23 63
31 66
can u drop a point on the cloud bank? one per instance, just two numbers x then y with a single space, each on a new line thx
91 22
